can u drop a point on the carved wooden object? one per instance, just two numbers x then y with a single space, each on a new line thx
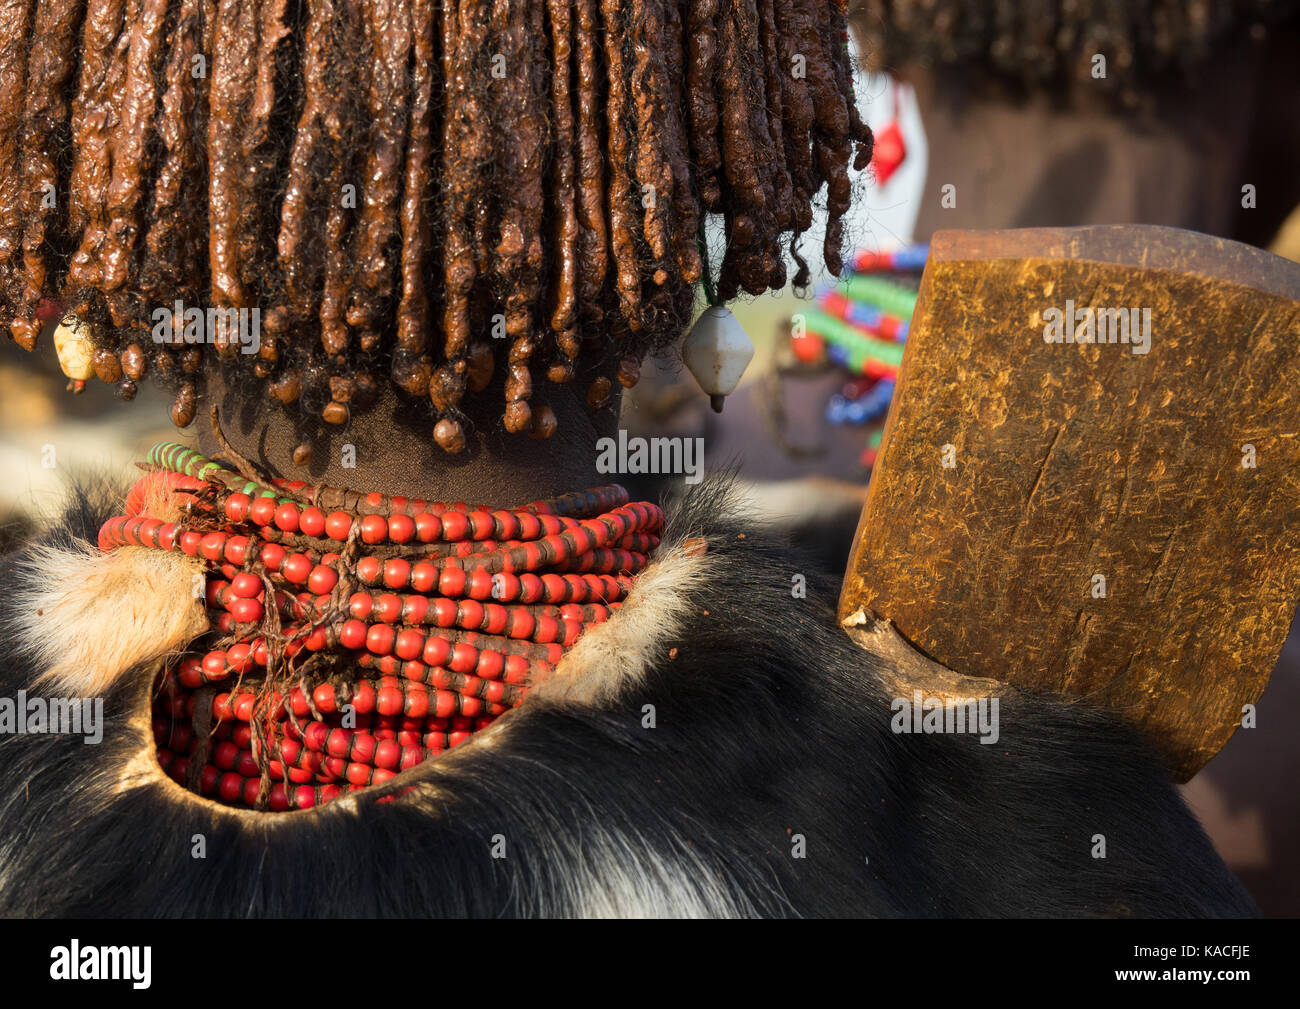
1115 525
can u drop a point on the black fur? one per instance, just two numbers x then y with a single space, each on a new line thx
770 723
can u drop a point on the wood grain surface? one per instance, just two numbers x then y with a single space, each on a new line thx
1016 474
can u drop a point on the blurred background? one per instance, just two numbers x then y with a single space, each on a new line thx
1016 152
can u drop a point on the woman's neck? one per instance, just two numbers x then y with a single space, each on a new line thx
390 448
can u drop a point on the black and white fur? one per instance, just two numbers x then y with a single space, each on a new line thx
769 723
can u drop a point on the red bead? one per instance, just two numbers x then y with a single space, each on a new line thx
480 525
237 507
427 527
374 529
286 517
370 569
494 619
272 556
479 585
230 787
490 665
322 580
352 634
424 576
243 704
409 644
237 549
214 666
323 698
225 754
444 612
262 511
451 582
401 528
338 525
246 611
363 748
463 658
416 704
297 568
190 672
548 629
389 701
469 614
211 546
470 705
388 608
397 573
455 526
388 755
414 610
436 650
245 585
521 623
379 639
223 707
358 774
312 521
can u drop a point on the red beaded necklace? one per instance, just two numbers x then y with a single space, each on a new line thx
356 635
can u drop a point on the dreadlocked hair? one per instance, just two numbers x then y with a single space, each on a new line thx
429 191
1051 43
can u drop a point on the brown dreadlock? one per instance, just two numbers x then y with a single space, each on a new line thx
1049 43
394 183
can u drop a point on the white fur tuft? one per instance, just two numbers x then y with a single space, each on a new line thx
615 655
88 617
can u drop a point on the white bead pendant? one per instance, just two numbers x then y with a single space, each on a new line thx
75 351
717 351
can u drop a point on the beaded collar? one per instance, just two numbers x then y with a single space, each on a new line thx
352 635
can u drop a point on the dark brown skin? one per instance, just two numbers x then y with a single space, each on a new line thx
395 450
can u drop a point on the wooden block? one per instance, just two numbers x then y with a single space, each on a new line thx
1115 525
